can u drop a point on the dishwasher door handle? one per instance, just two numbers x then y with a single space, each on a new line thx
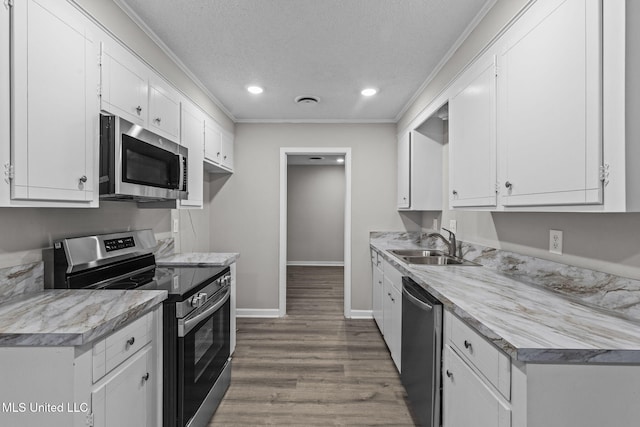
418 302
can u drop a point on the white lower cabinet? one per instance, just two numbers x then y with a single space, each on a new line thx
378 290
468 400
387 308
114 382
483 387
126 398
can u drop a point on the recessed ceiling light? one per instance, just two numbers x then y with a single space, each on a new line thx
256 90
369 91
340 160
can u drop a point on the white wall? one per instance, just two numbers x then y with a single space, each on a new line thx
604 242
315 213
245 206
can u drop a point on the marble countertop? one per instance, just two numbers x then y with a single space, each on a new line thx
204 259
530 323
71 317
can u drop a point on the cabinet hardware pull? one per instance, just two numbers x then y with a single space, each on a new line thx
131 340
508 185
218 154
83 178
449 374
467 344
455 193
145 377
139 109
158 120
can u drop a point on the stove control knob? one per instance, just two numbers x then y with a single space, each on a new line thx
196 301
203 297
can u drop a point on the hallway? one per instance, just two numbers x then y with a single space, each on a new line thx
313 367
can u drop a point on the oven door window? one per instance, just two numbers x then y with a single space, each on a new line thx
204 352
145 164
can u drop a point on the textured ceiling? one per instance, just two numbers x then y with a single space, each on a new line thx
330 49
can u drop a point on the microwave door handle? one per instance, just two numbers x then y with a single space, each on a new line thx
182 175
185 326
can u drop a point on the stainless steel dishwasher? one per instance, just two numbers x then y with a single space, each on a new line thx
421 352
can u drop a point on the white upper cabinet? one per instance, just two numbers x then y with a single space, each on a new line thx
5 102
125 89
192 137
218 148
472 137
420 167
55 77
404 170
550 106
164 109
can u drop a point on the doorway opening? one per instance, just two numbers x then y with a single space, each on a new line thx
326 155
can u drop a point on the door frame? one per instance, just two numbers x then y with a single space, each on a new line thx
284 152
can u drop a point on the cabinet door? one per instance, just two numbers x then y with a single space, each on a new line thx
378 286
55 103
227 151
126 399
193 139
549 111
467 401
387 312
124 84
164 109
396 326
404 171
472 137
212 141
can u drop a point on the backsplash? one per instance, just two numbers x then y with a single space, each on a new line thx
28 278
618 294
21 279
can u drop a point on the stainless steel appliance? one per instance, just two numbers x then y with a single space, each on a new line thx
196 315
138 165
421 352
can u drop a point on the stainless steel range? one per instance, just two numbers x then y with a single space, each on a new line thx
196 324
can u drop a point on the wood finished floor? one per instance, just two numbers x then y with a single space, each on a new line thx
312 368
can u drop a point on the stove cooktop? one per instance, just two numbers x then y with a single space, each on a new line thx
182 282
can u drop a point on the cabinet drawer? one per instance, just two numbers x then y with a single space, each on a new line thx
122 344
392 274
491 362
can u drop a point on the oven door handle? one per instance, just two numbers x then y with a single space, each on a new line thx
186 325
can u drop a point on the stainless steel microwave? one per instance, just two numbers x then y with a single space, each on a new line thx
138 165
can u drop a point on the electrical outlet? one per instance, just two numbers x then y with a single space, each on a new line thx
555 242
453 225
434 226
176 225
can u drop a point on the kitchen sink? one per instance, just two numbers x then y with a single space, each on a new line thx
417 253
429 257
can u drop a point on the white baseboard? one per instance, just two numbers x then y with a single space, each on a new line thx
316 263
257 312
361 314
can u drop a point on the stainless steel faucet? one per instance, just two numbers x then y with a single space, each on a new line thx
451 243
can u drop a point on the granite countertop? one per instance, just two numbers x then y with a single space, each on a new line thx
71 317
530 323
202 259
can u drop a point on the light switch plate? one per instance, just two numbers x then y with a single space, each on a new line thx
435 224
453 225
555 242
176 225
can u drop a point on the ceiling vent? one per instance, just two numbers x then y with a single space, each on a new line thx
307 100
